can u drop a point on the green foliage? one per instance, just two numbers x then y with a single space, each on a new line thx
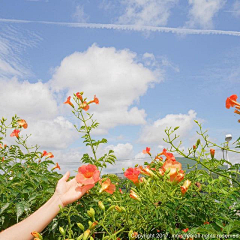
26 182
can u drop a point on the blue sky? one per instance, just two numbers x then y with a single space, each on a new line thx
152 64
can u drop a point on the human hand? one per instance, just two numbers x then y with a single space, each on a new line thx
66 190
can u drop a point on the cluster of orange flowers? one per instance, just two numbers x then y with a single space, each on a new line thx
171 167
232 102
84 104
21 123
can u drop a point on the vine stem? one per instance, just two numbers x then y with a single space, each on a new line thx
181 153
89 136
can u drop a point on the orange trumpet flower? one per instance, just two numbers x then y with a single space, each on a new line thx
68 101
232 101
88 174
22 123
108 187
15 133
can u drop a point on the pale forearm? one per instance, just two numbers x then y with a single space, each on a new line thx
35 222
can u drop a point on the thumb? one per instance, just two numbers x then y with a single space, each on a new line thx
65 176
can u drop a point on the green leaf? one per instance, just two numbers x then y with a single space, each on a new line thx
5 206
19 210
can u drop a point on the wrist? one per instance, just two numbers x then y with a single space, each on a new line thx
56 198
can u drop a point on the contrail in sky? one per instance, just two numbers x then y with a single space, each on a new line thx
128 27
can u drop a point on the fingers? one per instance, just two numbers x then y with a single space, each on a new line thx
84 189
65 176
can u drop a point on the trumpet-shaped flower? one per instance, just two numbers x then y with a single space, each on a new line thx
88 174
56 166
158 158
171 165
47 155
134 196
147 151
146 171
232 101
84 106
95 100
132 174
15 133
50 155
108 187
236 111
79 96
22 123
185 186
177 177
169 156
68 101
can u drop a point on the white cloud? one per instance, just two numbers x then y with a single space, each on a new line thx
236 9
147 12
202 12
121 151
154 133
115 76
58 133
79 15
30 100
70 159
35 103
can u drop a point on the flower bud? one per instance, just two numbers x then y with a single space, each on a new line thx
198 184
93 225
101 205
80 237
123 209
185 186
132 235
194 147
91 213
89 223
142 180
36 235
212 152
134 196
119 209
198 142
81 226
62 231
86 234
111 207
